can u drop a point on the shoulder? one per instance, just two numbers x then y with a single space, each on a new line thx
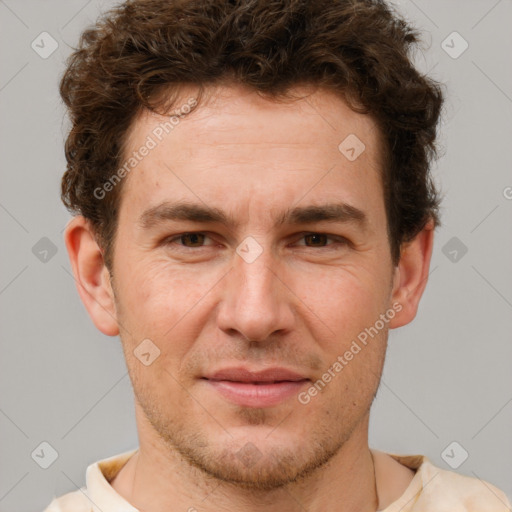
468 493
447 491
97 490
75 501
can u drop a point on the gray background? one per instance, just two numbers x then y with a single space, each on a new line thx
447 376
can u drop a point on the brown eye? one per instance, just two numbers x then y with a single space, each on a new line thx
192 239
322 241
316 239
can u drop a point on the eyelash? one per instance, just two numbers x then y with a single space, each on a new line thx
338 239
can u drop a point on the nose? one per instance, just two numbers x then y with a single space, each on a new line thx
257 303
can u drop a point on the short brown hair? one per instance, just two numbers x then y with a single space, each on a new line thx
359 49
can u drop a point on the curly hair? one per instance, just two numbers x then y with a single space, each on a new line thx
139 54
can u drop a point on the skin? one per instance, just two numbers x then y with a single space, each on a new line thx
299 305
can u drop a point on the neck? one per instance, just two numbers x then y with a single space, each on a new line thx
157 479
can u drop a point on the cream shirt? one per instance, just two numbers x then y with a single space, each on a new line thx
431 490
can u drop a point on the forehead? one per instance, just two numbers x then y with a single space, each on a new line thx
236 141
236 114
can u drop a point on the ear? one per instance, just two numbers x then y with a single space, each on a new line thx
91 275
411 275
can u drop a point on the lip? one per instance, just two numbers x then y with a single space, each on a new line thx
241 374
263 388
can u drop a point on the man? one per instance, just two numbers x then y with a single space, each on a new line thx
254 212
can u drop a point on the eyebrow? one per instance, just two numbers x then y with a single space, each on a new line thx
192 212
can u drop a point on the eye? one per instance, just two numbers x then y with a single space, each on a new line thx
191 240
322 239
316 239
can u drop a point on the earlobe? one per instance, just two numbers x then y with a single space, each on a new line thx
91 276
411 275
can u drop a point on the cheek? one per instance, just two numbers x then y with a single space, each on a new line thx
157 304
344 299
155 286
161 302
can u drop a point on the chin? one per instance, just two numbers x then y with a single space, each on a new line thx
258 467
261 458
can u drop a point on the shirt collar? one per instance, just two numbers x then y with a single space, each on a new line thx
101 494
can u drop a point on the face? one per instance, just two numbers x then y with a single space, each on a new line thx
247 239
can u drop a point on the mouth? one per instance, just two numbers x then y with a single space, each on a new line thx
247 388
